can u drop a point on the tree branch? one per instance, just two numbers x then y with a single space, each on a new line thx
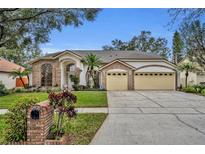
8 10
29 18
17 32
1 32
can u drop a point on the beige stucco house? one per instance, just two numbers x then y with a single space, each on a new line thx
6 67
120 70
194 78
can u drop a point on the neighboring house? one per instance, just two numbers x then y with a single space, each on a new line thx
6 68
194 78
121 70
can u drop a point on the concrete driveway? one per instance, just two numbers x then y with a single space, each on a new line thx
153 117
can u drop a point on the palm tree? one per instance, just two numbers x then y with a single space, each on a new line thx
27 71
92 61
19 73
187 67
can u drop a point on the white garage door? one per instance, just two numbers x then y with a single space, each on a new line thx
154 81
117 81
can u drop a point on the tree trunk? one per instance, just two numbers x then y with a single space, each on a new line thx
186 78
22 82
87 78
59 123
93 77
176 58
28 78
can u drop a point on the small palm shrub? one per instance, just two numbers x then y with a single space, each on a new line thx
16 120
203 92
190 89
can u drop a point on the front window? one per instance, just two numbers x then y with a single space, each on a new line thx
46 75
70 67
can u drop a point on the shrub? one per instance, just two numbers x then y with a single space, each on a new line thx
189 89
203 92
76 81
56 89
199 88
3 90
16 119
93 89
20 90
38 89
48 90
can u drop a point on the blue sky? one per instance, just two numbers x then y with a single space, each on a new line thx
110 24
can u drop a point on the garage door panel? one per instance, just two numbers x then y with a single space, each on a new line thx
117 81
154 81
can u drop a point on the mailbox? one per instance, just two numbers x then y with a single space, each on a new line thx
35 114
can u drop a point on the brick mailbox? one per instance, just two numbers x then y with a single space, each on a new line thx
39 121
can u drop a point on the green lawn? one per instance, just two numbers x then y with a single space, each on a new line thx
79 130
91 98
12 99
82 129
85 98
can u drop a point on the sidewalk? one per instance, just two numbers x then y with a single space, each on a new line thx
80 110
3 111
93 110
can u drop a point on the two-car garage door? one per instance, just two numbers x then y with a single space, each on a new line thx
142 81
154 81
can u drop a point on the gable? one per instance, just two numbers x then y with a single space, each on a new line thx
68 53
117 64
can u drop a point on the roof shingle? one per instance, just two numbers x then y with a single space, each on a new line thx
6 66
108 56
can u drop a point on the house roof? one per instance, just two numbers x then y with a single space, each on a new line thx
106 56
6 66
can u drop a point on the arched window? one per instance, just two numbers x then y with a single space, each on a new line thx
46 75
70 67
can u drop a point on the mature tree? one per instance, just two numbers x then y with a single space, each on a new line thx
92 61
187 67
144 42
116 45
24 29
185 15
177 47
194 40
